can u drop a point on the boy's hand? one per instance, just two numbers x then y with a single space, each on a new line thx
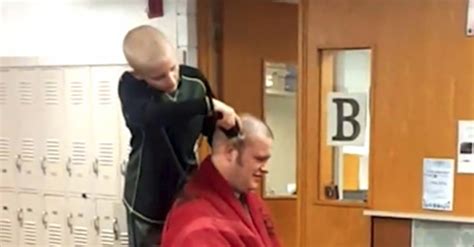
229 117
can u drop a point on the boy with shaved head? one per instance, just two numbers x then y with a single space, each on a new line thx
166 107
219 206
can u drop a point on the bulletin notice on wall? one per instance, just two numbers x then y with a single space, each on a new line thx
438 184
470 19
466 147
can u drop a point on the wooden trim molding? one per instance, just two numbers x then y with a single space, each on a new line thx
420 216
302 161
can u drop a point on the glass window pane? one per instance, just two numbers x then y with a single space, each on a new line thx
280 115
348 73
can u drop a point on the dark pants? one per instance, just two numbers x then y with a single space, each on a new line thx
142 233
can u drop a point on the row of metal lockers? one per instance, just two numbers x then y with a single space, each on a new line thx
63 150
32 219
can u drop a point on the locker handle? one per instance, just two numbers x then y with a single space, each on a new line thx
95 166
19 216
69 222
43 164
116 229
44 219
68 166
18 162
97 223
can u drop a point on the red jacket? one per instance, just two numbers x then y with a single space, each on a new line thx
207 213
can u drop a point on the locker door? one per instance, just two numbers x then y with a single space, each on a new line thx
26 146
30 219
82 225
108 223
124 152
8 128
121 219
52 128
54 220
105 128
79 129
8 219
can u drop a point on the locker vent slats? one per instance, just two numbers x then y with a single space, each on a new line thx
55 235
26 93
123 239
77 93
3 92
107 237
30 233
4 149
78 153
80 236
52 151
106 154
105 97
5 231
51 93
27 149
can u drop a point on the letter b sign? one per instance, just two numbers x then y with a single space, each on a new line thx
347 117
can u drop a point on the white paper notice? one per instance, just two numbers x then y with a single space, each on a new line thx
466 147
470 19
438 184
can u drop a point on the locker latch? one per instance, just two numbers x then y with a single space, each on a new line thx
116 229
123 167
43 164
95 166
69 222
18 162
44 219
19 216
97 223
68 166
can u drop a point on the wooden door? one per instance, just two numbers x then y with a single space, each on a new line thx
422 64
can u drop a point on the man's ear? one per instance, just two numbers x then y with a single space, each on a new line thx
231 153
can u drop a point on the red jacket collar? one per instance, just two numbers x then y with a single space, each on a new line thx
208 180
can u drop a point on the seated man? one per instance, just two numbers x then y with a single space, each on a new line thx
218 206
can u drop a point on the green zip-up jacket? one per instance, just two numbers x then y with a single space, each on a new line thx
164 132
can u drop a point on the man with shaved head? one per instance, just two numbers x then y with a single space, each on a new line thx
219 206
166 107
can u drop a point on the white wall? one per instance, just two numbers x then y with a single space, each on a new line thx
82 31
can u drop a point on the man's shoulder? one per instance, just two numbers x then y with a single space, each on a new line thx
127 76
184 212
193 81
128 81
193 223
190 206
191 72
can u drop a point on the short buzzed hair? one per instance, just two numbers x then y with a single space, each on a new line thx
251 126
143 46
